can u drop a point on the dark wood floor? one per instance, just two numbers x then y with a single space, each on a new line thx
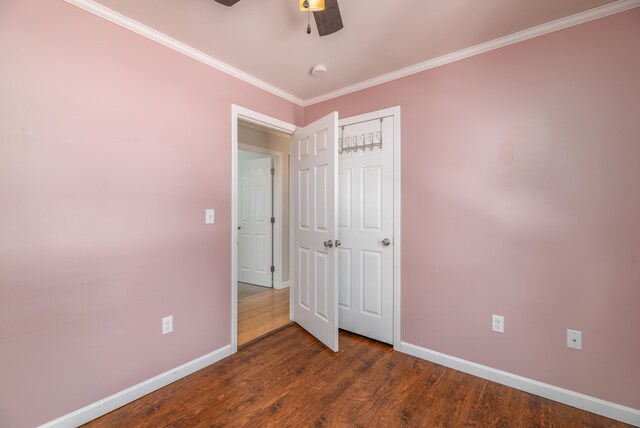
288 379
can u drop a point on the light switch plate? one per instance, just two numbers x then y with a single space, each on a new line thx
209 216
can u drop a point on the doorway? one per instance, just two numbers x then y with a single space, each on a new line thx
262 242
346 226
316 271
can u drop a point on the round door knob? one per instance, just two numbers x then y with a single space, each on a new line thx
386 242
328 244
338 243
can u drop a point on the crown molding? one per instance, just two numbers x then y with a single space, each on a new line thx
135 26
540 30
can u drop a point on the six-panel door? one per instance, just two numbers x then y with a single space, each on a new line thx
365 220
254 212
314 192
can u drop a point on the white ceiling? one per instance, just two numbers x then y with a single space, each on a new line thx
267 38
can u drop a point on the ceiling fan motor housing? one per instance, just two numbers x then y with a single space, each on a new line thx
325 12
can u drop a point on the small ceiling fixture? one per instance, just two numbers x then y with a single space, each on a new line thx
311 6
318 70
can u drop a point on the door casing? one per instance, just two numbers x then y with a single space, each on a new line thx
237 113
241 113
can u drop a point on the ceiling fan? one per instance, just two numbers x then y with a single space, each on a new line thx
325 12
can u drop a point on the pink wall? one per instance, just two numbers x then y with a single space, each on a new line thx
519 198
520 174
111 148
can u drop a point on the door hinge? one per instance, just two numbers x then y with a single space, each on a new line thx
273 220
273 268
273 171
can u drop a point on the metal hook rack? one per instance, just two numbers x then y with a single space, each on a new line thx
355 142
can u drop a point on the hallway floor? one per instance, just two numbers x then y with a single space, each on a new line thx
246 290
261 313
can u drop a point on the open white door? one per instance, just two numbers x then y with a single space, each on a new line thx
254 222
365 221
314 173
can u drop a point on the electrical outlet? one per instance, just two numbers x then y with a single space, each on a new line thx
209 216
497 323
574 339
167 324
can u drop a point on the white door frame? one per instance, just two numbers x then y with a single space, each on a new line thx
238 112
395 113
277 209
241 113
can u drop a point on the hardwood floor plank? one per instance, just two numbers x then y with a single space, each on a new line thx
260 314
289 379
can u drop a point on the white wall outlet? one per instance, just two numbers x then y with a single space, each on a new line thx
167 324
209 216
574 339
497 323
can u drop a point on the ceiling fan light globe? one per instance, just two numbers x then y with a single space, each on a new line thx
313 5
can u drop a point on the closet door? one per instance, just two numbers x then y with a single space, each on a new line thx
314 162
365 224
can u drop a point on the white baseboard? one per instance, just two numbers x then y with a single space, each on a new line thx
106 405
574 399
282 286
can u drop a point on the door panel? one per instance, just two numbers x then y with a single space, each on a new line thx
365 219
303 277
322 285
371 205
344 278
255 210
371 282
321 198
303 199
314 182
344 199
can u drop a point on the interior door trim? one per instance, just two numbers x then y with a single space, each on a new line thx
238 112
242 113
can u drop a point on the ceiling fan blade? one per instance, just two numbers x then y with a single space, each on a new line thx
328 20
228 2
